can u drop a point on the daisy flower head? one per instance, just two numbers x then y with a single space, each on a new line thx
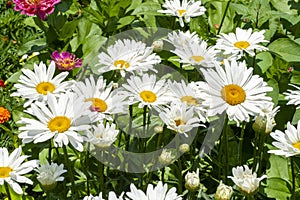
146 90
180 39
234 90
186 93
41 8
66 61
103 136
111 196
197 54
293 96
159 192
241 41
128 56
50 174
287 142
180 117
13 168
224 192
62 119
35 85
104 101
4 115
247 181
183 10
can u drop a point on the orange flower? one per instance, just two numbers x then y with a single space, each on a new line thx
4 115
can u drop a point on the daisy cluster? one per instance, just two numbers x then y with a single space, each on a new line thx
68 112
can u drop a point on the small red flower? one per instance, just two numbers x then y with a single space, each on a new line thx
8 4
2 83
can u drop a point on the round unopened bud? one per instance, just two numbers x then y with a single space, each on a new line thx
158 129
158 45
192 181
183 148
166 157
264 124
224 192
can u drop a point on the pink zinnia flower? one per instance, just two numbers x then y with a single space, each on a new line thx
36 7
66 61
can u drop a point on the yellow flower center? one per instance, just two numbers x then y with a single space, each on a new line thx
67 63
33 2
97 104
4 115
297 145
233 94
181 12
148 96
45 87
242 44
4 172
197 58
189 100
179 122
121 64
59 123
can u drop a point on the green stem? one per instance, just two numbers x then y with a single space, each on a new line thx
101 176
192 195
241 140
87 168
129 126
255 151
293 174
50 151
70 172
179 176
223 18
144 127
7 191
225 149
261 152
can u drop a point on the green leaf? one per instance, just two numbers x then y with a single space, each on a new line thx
32 45
283 6
286 49
265 60
148 8
296 117
278 181
275 93
124 21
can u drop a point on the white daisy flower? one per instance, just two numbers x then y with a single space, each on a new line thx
184 10
241 41
234 90
187 93
245 179
288 143
49 175
111 196
265 121
180 39
128 56
293 96
160 192
105 101
13 168
103 136
224 192
197 54
179 117
62 120
35 85
146 91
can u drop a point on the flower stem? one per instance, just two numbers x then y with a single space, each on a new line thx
223 18
225 147
101 176
7 191
293 174
129 127
50 151
241 140
70 172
